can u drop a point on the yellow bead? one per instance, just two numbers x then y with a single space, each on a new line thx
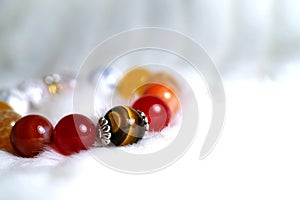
4 106
8 119
54 88
132 80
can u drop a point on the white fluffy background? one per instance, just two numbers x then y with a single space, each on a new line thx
254 43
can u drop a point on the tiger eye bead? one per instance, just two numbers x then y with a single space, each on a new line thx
4 106
73 133
125 124
132 80
30 135
8 119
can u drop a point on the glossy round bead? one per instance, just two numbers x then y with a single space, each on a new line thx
30 135
126 125
131 81
73 133
166 94
8 119
156 110
4 106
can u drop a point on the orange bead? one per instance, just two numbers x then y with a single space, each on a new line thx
4 106
166 94
132 80
7 120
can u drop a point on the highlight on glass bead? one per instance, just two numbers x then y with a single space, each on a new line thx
30 135
156 110
131 80
73 133
8 118
166 94
125 125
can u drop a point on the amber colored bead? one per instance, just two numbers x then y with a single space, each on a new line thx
166 94
126 125
8 119
30 135
131 81
4 106
73 133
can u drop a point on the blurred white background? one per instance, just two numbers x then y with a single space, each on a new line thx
46 35
256 46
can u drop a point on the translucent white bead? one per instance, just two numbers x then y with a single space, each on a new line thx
15 99
35 91
106 78
67 79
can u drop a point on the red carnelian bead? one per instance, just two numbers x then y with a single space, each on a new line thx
156 110
166 94
30 135
73 133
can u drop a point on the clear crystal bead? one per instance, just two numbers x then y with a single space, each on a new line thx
35 91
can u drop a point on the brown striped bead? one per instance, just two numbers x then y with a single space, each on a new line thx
125 124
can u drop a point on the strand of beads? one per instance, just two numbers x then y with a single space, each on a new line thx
155 100
29 135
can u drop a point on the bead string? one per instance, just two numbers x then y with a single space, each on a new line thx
122 125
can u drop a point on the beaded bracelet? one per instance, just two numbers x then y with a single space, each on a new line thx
122 125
